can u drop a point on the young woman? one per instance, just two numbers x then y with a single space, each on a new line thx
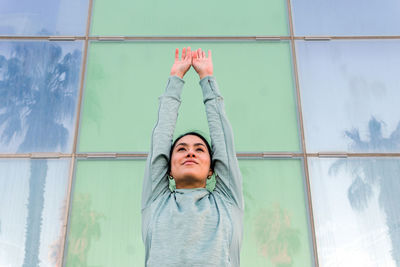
189 225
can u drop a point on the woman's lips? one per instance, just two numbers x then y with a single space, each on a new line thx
189 162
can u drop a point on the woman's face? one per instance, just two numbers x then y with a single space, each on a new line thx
190 162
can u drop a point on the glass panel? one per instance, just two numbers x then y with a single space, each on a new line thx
177 18
105 218
124 81
274 197
32 211
344 18
43 17
356 211
350 95
275 219
39 84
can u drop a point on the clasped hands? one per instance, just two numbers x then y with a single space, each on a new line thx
202 64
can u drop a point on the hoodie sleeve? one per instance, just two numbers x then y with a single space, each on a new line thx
226 167
155 180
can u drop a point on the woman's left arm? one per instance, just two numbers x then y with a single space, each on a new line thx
226 167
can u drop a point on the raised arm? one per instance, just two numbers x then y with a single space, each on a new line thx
155 178
226 167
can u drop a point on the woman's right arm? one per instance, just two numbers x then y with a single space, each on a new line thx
155 177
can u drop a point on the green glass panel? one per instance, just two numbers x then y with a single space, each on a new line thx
210 18
124 81
106 210
275 221
105 218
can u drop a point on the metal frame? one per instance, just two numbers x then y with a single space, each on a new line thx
303 141
73 161
74 156
188 38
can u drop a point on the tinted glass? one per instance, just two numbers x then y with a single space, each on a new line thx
350 95
106 210
275 219
43 17
39 85
33 197
124 81
356 211
341 17
105 218
210 18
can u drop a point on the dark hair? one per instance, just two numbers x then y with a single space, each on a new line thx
198 135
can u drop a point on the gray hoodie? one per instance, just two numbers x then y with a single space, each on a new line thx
192 227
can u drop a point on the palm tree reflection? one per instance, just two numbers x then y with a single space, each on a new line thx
368 173
276 239
38 93
85 227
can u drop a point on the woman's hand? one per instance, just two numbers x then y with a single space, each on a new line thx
201 63
181 66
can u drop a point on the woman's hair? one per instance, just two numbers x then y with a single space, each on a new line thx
198 135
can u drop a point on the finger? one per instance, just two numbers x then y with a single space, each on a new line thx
194 54
199 53
209 53
189 54
204 54
176 54
183 53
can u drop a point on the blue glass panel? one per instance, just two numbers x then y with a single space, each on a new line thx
32 211
350 93
39 84
356 211
344 18
43 17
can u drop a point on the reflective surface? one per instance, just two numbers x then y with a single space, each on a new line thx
356 211
350 95
39 85
32 211
105 217
172 18
106 210
43 17
124 81
341 17
275 219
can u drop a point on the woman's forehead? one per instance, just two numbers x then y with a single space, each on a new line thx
191 140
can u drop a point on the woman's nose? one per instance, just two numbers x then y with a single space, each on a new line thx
190 154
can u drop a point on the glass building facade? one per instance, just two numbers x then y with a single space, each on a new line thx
310 87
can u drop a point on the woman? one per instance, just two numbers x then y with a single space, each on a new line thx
189 225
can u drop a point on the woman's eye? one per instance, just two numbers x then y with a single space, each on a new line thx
180 149
200 149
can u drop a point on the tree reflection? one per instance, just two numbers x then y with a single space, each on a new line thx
55 251
86 227
371 172
276 239
37 94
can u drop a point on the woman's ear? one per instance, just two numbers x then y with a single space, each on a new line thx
210 173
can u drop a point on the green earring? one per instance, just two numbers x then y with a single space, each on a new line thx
172 185
210 182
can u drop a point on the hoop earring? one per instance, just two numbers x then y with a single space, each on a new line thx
172 185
